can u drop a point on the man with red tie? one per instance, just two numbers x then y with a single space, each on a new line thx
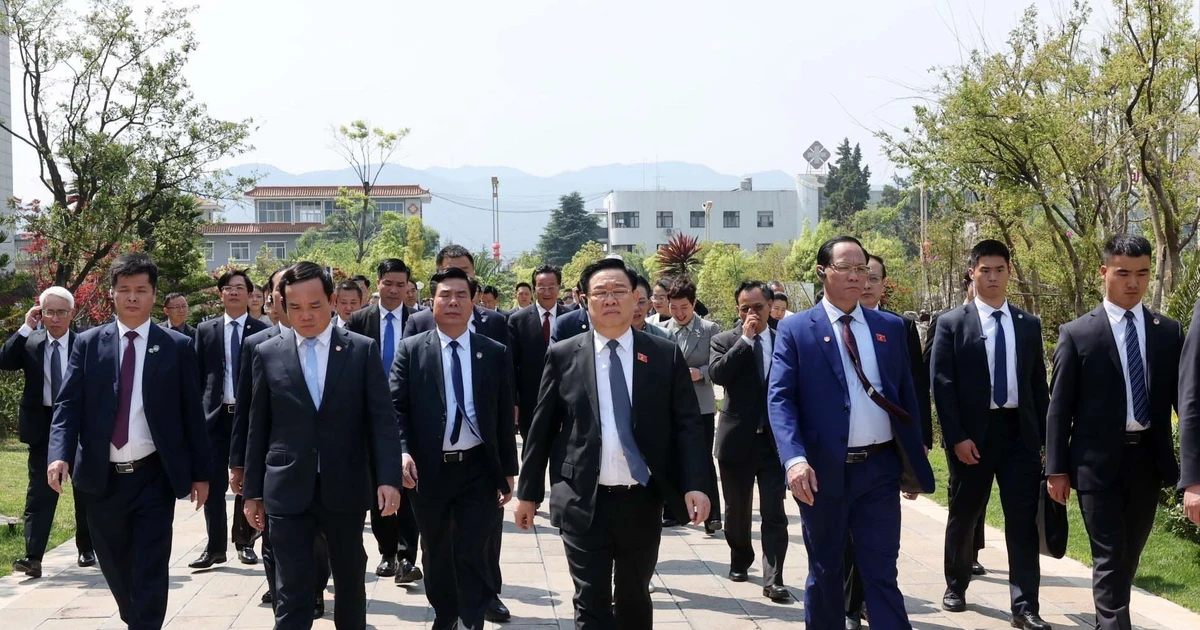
529 332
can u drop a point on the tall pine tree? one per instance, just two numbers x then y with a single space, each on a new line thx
570 227
848 185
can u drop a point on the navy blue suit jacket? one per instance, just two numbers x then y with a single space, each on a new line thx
86 408
569 325
487 322
808 400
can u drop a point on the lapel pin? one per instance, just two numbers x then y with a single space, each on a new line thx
641 357
880 338
1155 321
827 340
1020 316
584 327
337 348
478 355
154 349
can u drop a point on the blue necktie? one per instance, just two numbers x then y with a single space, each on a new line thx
623 414
311 374
235 353
1137 373
456 376
1000 378
389 343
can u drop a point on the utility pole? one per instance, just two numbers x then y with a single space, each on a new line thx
708 206
924 247
496 217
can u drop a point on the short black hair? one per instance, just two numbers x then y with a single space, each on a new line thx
988 247
825 252
682 288
454 273
274 278
350 285
664 283
966 280
1130 245
492 291
303 272
750 285
605 264
546 269
644 283
882 265
363 279
172 296
228 276
454 251
392 265
133 264
524 284
412 282
780 297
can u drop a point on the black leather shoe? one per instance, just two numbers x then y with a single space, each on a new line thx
319 609
28 566
977 569
387 566
777 593
246 555
266 597
954 602
408 573
853 623
87 559
207 559
496 611
670 522
1030 621
738 576
712 527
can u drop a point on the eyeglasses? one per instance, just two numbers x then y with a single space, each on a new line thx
56 314
874 280
758 308
603 296
176 308
542 289
658 298
846 269
230 288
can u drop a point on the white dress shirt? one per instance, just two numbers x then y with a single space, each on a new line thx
614 468
397 326
64 342
988 324
228 389
468 435
1116 319
768 346
341 323
141 443
322 356
542 315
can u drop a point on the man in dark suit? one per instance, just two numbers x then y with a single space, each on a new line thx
384 323
745 446
41 349
459 451
129 429
320 419
1189 420
989 384
218 346
175 307
525 295
492 325
618 424
1112 443
846 424
529 331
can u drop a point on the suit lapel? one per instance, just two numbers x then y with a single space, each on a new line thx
219 346
110 347
1020 335
295 372
433 354
373 323
974 338
880 344
822 332
477 391
36 347
586 352
1152 340
1105 334
339 349
641 373
154 340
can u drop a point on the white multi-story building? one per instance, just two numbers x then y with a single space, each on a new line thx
751 219
6 156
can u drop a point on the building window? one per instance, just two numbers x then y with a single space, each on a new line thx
626 220
766 218
623 248
278 249
274 212
207 248
762 247
239 251
736 245
390 206
330 208
697 218
310 212
664 219
733 219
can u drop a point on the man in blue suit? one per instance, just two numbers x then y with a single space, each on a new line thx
132 392
845 416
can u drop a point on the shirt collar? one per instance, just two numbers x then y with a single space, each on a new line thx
322 339
240 320
542 311
283 327
62 341
986 311
1116 313
398 313
834 313
625 340
143 329
464 340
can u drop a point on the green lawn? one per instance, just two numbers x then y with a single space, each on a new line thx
13 481
1170 565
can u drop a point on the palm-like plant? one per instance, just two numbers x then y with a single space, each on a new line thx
680 256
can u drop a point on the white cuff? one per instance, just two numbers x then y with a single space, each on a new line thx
24 330
793 461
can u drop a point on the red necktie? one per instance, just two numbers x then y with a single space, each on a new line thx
120 434
546 327
852 349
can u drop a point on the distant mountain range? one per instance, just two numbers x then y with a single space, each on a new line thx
461 207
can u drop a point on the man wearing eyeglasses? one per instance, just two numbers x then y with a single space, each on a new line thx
218 347
41 349
175 307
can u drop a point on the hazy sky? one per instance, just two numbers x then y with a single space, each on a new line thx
548 86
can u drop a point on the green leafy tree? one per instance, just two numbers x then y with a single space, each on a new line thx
725 267
367 150
588 254
570 227
522 268
802 260
170 236
848 185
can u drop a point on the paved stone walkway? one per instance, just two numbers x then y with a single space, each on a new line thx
692 591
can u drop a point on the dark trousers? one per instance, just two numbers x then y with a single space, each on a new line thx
869 511
293 539
131 528
619 549
458 523
709 421
320 558
41 501
1017 470
215 510
737 482
1118 522
398 534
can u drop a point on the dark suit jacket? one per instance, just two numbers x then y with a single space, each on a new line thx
962 386
920 376
808 399
365 321
245 393
487 322
1189 405
565 433
574 322
355 427
417 375
529 356
28 354
209 345
184 329
733 367
1086 421
86 409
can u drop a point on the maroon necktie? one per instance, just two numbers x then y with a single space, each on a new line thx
120 434
876 397
546 327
